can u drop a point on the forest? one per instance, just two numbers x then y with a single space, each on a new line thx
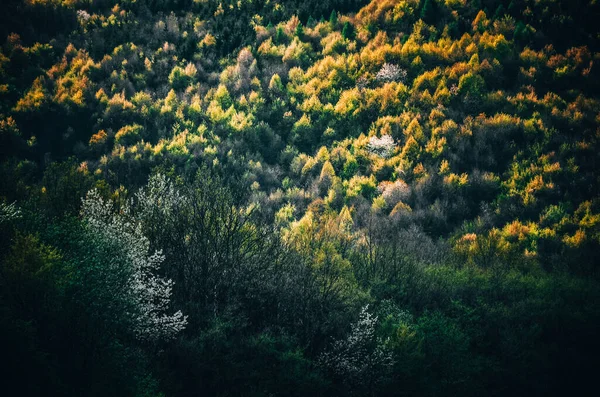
299 198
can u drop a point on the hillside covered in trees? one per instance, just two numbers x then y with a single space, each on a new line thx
299 198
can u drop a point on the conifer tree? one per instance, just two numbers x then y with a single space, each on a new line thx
428 11
348 31
333 19
500 11
299 31
280 36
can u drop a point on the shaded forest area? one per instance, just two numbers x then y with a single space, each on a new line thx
324 198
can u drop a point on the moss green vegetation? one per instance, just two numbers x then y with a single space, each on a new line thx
264 198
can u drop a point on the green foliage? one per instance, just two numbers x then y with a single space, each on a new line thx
348 31
333 19
129 135
521 32
436 160
179 78
299 31
500 12
471 84
428 11
280 37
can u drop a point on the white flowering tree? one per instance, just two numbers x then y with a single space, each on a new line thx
159 204
395 192
83 15
9 212
383 147
126 269
390 72
361 359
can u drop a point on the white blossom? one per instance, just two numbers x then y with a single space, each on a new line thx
83 15
360 357
160 194
147 293
395 192
9 212
390 72
383 147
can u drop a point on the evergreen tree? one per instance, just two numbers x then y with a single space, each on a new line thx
521 32
299 31
333 19
500 11
428 11
280 37
348 31
511 8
